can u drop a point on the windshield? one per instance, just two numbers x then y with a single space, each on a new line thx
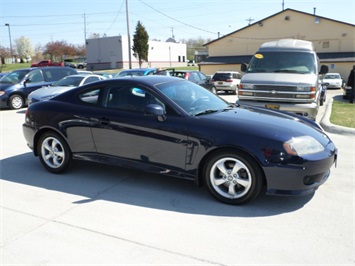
193 98
284 62
69 81
14 77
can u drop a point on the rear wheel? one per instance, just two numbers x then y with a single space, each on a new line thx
233 177
54 152
16 101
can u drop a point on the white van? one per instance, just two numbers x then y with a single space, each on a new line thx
284 75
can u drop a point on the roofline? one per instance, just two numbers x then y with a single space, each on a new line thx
288 9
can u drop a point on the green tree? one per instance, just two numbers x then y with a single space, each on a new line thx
140 43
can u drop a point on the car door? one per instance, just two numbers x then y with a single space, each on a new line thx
203 80
125 133
33 81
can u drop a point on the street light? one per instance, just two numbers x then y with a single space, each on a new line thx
12 55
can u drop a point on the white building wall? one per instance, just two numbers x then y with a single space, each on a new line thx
113 53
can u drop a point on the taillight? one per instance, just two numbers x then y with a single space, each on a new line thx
187 76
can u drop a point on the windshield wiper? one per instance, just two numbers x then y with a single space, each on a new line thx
205 112
285 71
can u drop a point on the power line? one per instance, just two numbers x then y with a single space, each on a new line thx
176 19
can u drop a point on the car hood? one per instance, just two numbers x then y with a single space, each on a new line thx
279 78
50 90
247 120
332 80
4 86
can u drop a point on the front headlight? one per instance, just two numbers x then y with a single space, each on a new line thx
302 145
2 93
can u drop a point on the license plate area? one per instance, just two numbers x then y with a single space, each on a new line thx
273 106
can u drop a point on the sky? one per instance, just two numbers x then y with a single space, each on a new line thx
45 21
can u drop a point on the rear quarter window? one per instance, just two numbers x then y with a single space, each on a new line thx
55 74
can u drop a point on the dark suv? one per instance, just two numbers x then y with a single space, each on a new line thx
195 77
16 86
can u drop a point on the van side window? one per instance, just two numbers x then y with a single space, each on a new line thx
35 76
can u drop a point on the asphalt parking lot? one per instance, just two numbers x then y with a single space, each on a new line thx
100 215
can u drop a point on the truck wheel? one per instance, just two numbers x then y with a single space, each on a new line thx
16 102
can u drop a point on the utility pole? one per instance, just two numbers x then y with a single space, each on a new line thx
129 38
12 54
283 5
84 28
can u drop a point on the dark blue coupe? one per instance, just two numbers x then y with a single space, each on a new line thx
172 126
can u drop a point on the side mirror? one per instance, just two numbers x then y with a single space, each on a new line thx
155 110
243 67
27 80
324 69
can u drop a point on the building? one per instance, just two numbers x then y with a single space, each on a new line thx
333 40
113 53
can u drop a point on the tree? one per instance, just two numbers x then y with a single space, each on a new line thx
195 45
140 43
24 48
59 49
4 53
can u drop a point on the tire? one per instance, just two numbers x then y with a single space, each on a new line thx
54 153
321 102
233 177
16 102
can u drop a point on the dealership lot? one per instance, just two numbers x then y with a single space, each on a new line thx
102 215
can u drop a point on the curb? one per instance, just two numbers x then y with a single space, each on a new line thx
331 128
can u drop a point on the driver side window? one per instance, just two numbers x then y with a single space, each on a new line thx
129 98
35 76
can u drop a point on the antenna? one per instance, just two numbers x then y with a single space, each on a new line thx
249 20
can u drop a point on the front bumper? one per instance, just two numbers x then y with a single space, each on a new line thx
309 110
299 180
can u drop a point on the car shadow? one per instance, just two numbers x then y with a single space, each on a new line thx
101 182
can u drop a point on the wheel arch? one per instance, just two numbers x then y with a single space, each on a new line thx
19 93
42 131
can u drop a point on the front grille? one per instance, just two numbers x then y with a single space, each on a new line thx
274 95
275 88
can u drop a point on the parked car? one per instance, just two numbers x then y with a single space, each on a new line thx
16 86
81 65
171 126
196 77
2 74
227 81
323 95
136 72
333 81
65 84
45 63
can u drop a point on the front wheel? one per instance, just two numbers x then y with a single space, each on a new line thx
233 177
54 152
16 101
